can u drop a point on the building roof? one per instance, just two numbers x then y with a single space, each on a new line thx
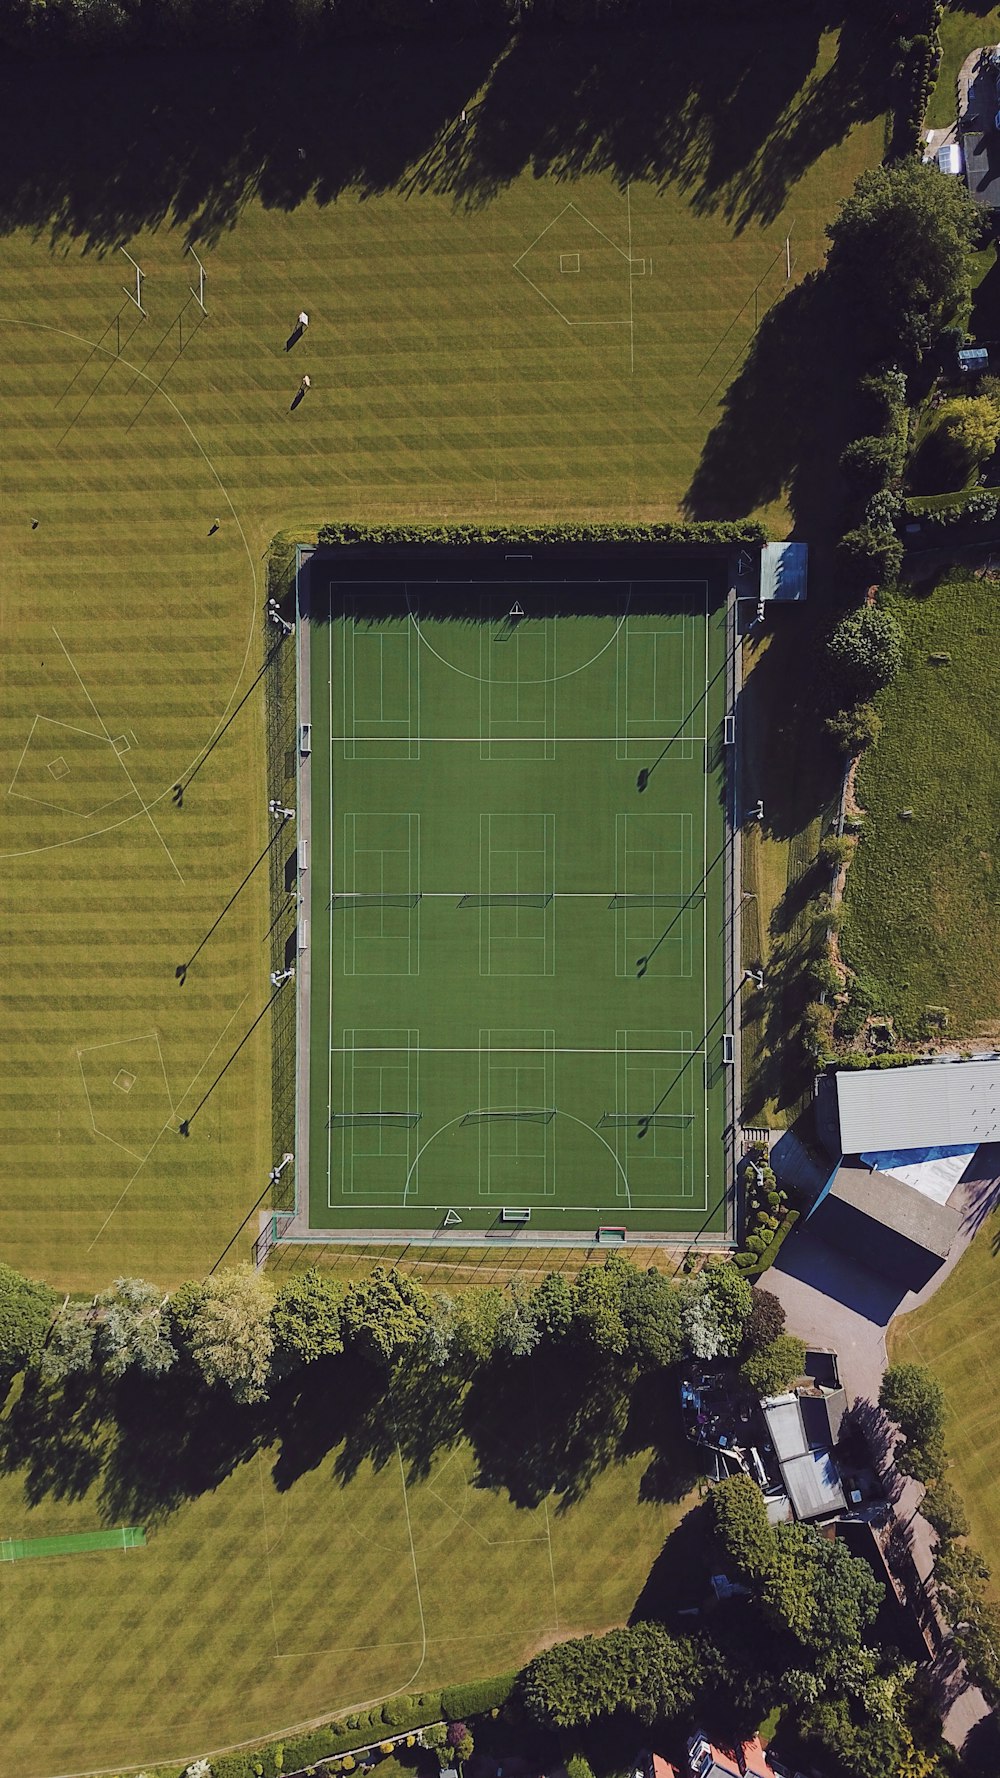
708 1761
809 1474
822 1414
927 1105
949 157
895 1206
784 569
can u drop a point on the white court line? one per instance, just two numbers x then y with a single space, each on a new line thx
120 757
528 740
471 1049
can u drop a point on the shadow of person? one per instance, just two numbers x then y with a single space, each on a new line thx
293 338
300 396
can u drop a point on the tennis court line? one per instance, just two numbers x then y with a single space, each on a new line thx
527 740
430 1049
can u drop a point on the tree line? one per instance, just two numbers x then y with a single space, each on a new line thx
245 1335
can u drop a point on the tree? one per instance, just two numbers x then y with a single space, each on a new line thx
225 1324
650 1310
26 1309
132 1327
478 1313
714 1307
70 1347
961 1577
978 1642
914 1399
819 1592
865 650
305 1319
899 252
553 1306
765 1322
385 1313
775 1369
741 1525
517 1331
597 1308
854 729
869 557
944 1509
869 463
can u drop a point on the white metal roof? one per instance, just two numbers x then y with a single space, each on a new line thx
784 570
949 157
930 1105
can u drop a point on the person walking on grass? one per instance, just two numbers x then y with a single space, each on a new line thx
303 322
305 385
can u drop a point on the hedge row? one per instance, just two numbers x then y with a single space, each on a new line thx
761 1261
300 1753
922 63
954 509
745 531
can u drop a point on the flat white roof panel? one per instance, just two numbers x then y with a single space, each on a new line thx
931 1105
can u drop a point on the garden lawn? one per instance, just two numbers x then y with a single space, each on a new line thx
956 1335
922 902
961 32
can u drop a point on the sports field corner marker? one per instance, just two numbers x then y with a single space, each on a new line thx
452 1219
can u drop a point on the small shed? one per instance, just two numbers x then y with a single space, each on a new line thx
973 360
784 571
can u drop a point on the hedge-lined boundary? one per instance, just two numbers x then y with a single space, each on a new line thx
975 506
702 531
770 1253
290 1755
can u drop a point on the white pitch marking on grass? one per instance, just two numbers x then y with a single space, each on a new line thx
550 681
118 756
631 318
528 740
167 1125
552 1570
267 1553
79 339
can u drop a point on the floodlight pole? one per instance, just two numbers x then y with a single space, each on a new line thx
135 295
199 294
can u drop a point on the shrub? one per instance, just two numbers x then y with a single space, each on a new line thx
854 729
578 1766
477 1697
865 650
748 531
835 850
914 1399
26 1309
816 1032
397 1711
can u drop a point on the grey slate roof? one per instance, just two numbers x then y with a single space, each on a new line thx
899 1207
810 1476
929 1105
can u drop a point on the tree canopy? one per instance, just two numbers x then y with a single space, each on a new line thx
866 651
714 1308
225 1324
132 1328
26 1308
899 252
305 1319
740 1522
773 1370
384 1313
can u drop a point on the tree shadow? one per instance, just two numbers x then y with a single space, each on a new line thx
654 1424
153 135
57 1437
680 1578
548 1424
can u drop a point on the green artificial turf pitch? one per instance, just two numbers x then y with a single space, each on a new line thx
515 946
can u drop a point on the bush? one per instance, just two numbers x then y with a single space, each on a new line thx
26 1309
397 1712
765 1260
816 1032
854 729
835 850
914 1399
755 1244
477 1697
865 650
578 1766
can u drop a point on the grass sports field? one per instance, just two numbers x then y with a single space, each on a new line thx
518 856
